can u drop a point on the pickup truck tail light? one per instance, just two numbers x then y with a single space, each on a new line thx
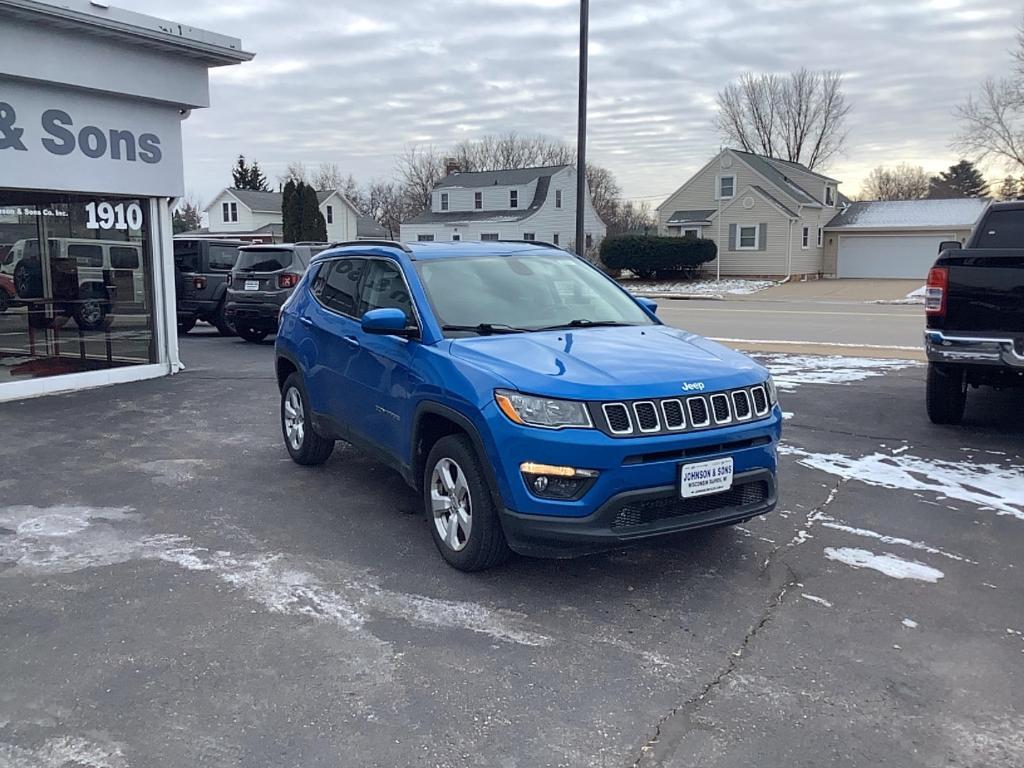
199 282
936 290
287 280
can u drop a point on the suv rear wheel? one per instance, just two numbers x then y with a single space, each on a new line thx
946 395
220 321
251 334
305 445
463 519
184 326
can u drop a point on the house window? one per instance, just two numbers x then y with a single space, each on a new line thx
230 212
805 242
726 187
590 241
691 233
444 201
558 198
821 237
529 236
330 214
748 238
489 236
555 238
456 237
830 197
478 200
513 199
425 238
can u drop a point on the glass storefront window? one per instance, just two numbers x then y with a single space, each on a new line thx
76 284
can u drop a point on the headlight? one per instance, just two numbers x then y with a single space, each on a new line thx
773 394
542 411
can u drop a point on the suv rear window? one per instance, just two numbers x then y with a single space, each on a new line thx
222 257
263 260
1002 229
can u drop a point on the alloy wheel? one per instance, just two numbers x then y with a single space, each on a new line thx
451 504
294 418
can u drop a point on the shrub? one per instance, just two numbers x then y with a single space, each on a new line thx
648 257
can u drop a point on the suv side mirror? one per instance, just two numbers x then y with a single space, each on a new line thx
949 245
388 321
649 304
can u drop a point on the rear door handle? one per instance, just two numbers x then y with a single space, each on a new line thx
306 321
352 341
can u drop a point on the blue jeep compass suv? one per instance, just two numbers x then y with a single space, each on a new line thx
536 405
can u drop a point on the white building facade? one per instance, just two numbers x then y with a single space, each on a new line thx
522 204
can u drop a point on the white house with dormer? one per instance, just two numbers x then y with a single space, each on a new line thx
521 204
246 214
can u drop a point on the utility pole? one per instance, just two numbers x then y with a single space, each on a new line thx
581 137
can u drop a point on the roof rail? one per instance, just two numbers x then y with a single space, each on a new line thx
540 243
385 243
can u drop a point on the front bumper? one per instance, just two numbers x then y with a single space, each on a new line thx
257 315
973 350
634 515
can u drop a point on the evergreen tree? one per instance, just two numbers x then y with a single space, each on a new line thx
1010 190
313 225
245 176
289 211
257 179
961 180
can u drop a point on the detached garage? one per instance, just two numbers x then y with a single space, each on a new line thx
895 239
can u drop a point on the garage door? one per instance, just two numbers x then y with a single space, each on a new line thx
907 256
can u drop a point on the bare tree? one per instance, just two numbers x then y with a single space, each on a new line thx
631 217
355 193
419 170
511 150
295 171
386 203
904 182
992 122
327 176
800 118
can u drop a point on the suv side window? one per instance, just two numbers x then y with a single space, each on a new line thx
337 285
384 288
223 257
186 256
87 255
124 257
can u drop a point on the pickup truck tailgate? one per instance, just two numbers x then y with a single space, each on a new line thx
986 292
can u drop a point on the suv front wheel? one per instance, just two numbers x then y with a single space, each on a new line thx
463 518
305 445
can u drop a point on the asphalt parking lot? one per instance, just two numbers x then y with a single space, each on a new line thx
174 591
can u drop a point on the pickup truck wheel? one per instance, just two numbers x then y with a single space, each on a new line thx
305 445
947 394
184 326
220 321
464 522
251 334
92 313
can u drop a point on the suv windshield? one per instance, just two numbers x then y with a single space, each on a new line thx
491 294
263 260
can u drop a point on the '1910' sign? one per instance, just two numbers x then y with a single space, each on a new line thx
62 138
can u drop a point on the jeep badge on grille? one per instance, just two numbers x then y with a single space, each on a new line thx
693 386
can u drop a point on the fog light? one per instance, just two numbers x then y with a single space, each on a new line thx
554 482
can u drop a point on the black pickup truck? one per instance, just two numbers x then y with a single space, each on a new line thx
974 303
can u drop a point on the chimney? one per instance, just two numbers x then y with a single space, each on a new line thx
451 166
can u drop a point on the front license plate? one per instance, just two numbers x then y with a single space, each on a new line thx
705 477
252 285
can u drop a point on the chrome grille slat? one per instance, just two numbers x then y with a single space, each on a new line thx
720 408
646 413
615 422
675 415
700 414
741 405
760 399
672 410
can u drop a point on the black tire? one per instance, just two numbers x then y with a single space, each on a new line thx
251 334
28 280
221 323
92 313
485 546
946 396
308 447
184 326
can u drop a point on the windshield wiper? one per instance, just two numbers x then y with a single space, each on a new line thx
585 323
485 329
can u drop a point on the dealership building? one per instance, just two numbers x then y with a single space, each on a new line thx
92 100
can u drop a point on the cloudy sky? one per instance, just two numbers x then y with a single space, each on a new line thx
356 81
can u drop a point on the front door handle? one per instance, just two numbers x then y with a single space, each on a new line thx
306 321
352 341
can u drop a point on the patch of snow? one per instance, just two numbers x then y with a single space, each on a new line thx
64 751
909 624
914 297
919 545
985 485
816 599
887 564
791 371
709 288
957 213
787 415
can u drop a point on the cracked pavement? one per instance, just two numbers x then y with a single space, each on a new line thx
174 591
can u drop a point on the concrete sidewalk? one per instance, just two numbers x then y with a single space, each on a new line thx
846 290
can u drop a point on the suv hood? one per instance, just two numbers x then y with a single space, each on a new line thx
610 363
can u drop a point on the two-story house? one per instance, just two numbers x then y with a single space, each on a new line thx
245 214
768 216
521 204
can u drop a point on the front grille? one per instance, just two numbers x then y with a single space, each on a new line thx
720 406
652 510
646 417
698 412
618 418
760 400
741 404
673 412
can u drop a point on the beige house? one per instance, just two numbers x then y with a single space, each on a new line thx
768 215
